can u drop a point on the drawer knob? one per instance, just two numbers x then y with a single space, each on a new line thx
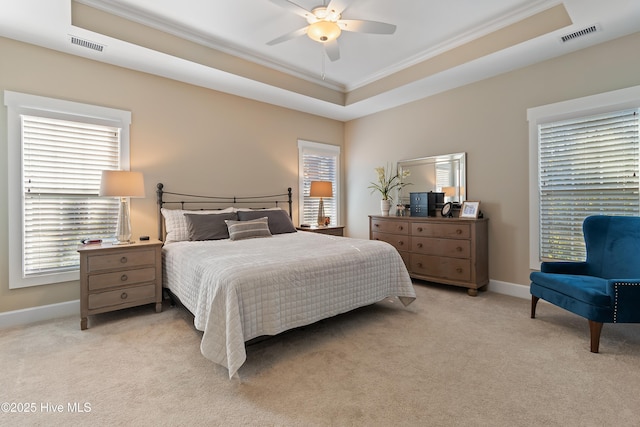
400 227
419 265
123 260
376 225
400 243
459 270
459 249
124 278
458 231
420 229
124 295
419 245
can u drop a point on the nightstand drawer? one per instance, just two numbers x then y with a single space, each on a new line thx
122 296
120 278
132 258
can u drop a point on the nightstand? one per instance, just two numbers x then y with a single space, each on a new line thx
334 230
113 277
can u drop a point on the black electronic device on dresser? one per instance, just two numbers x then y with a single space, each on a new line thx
425 203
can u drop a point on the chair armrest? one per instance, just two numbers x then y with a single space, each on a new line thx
579 268
625 294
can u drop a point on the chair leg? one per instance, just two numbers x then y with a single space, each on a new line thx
534 302
595 328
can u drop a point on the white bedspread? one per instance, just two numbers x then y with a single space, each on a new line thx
239 290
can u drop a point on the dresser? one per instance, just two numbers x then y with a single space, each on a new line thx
452 251
113 277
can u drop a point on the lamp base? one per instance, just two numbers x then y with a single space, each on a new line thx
321 213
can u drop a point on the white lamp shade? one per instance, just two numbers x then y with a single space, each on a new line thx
321 189
122 184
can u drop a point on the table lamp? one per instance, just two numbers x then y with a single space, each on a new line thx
122 184
321 189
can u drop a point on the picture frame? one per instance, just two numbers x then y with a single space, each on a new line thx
470 209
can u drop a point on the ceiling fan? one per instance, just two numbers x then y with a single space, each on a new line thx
326 25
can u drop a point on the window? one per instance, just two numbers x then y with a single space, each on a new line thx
318 162
57 150
587 163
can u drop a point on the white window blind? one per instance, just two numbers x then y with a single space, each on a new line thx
587 166
318 162
62 163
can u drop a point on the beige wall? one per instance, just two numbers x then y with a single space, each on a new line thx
488 121
187 137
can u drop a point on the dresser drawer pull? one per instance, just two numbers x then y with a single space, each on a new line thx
458 231
419 265
124 278
400 228
124 295
376 225
459 270
459 249
419 245
420 229
123 260
400 243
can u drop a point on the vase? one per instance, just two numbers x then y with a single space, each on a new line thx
385 205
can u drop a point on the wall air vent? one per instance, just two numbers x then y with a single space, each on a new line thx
583 32
86 43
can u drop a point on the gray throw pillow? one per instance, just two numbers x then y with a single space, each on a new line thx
239 230
279 221
208 227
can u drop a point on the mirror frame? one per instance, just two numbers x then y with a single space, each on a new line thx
431 161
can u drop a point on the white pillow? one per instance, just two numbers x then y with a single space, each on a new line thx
176 226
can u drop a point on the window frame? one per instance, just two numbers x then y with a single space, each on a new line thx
19 104
627 98
320 149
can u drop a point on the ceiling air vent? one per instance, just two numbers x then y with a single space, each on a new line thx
583 32
86 43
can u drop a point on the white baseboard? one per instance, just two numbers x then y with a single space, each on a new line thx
71 308
37 314
511 289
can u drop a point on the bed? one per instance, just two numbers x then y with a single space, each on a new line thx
245 273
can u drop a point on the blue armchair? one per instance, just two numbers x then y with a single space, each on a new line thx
606 287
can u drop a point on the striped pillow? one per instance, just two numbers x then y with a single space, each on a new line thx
239 230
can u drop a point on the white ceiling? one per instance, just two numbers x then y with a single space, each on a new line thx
425 29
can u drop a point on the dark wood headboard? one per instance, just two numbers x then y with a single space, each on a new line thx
199 202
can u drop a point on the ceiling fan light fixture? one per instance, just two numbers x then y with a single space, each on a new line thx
323 31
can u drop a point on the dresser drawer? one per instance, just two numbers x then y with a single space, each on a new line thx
441 267
121 260
450 231
401 243
130 295
120 278
441 247
394 227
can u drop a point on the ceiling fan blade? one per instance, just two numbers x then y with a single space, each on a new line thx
288 36
372 27
332 49
292 7
338 6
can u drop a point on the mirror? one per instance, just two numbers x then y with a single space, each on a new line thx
445 173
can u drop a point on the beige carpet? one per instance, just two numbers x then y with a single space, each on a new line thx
446 360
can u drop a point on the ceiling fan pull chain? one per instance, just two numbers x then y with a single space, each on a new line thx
322 57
